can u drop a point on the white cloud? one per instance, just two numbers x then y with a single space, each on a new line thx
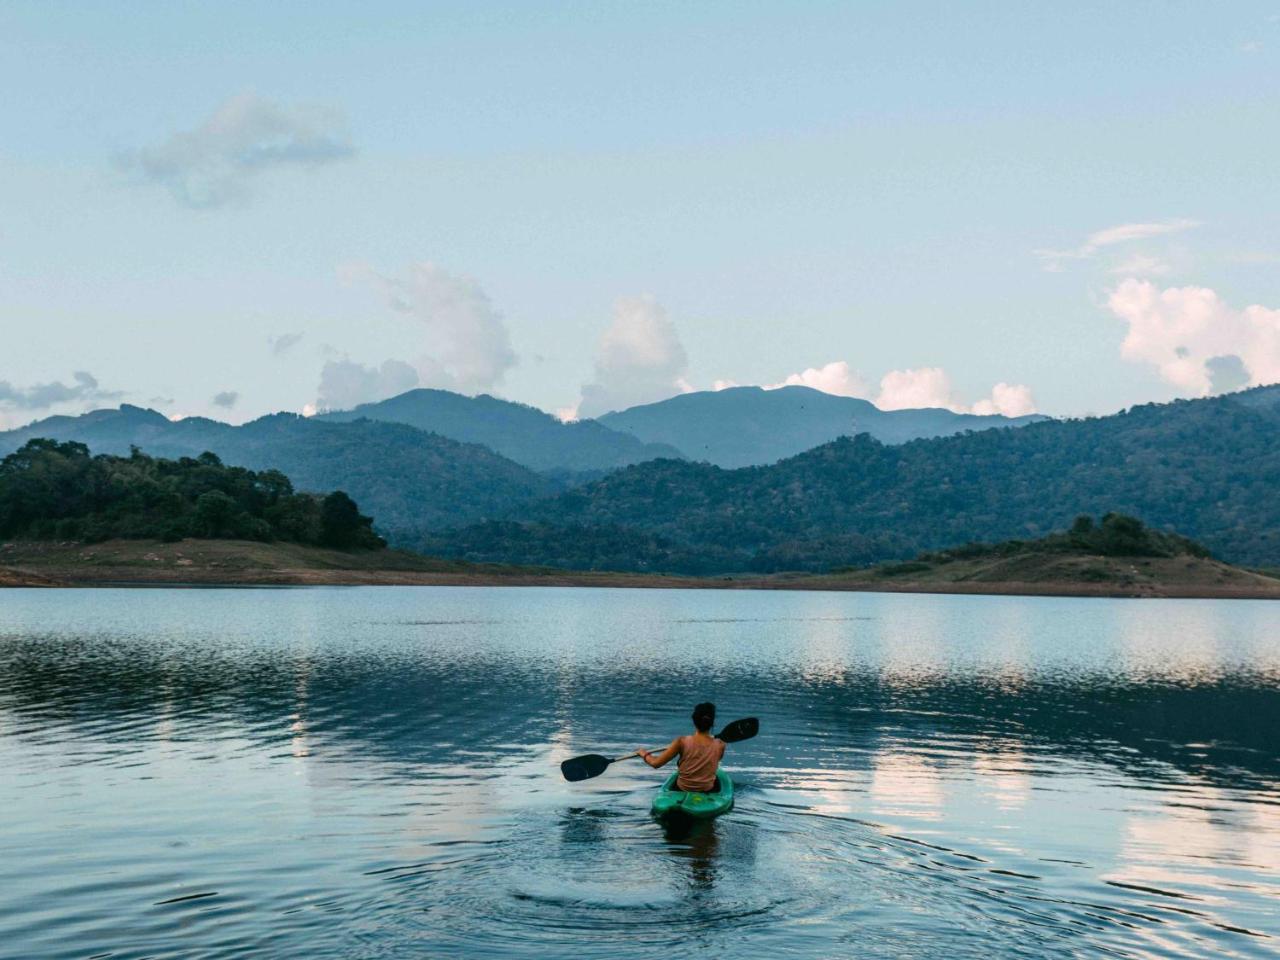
1140 265
345 384
1008 400
42 396
640 359
468 346
913 389
836 377
1189 335
719 385
245 137
1054 260
1126 232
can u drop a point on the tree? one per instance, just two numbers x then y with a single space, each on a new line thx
215 514
342 526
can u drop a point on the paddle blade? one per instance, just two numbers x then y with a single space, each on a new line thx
740 730
584 767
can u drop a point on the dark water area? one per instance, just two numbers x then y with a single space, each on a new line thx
372 772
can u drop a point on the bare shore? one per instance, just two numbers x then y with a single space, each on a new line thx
206 563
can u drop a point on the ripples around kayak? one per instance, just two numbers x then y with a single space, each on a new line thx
372 772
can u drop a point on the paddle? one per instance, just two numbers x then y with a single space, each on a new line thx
592 764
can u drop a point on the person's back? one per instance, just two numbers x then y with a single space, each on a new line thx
699 753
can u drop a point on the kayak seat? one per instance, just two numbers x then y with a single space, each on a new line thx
715 787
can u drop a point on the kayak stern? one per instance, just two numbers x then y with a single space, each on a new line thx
671 802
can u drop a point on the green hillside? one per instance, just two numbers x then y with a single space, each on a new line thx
1207 468
405 478
51 490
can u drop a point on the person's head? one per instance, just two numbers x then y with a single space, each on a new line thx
704 715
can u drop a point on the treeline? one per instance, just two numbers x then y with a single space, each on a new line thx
52 490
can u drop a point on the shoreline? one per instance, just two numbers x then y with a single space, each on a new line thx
241 563
132 577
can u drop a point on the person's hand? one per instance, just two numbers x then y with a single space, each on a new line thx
644 754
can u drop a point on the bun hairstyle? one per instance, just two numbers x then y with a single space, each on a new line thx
704 715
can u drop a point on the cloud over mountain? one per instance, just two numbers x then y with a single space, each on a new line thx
1195 340
639 359
466 343
836 377
247 136
345 384
84 390
921 387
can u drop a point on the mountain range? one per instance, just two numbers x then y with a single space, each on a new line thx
405 478
750 426
519 432
1207 468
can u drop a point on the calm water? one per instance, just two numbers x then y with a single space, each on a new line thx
372 773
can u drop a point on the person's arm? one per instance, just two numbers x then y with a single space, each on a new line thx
663 758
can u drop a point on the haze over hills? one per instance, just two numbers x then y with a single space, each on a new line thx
1207 468
405 478
519 432
747 426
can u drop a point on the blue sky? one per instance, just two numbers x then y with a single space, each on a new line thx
584 206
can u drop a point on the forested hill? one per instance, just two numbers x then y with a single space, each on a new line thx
752 426
519 432
405 478
1208 468
52 490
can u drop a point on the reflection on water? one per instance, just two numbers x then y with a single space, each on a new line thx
372 772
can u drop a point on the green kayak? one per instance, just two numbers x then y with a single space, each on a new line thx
671 802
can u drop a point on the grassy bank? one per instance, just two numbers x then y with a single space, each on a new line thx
1066 574
249 563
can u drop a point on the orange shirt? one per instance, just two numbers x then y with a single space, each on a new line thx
699 760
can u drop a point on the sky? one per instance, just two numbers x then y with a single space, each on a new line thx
237 208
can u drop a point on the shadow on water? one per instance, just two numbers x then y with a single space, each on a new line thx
697 843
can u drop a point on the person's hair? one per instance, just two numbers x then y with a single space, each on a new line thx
704 715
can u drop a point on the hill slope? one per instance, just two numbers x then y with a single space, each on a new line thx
405 478
521 433
1209 468
746 426
1118 557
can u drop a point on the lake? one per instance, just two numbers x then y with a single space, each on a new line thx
372 772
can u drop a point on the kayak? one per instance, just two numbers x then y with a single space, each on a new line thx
671 802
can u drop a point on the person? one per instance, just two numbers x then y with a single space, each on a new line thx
700 753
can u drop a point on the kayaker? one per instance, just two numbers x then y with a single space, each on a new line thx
700 753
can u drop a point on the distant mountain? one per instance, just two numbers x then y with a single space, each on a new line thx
1209 469
408 480
748 426
519 432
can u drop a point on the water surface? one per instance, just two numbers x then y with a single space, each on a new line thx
371 772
